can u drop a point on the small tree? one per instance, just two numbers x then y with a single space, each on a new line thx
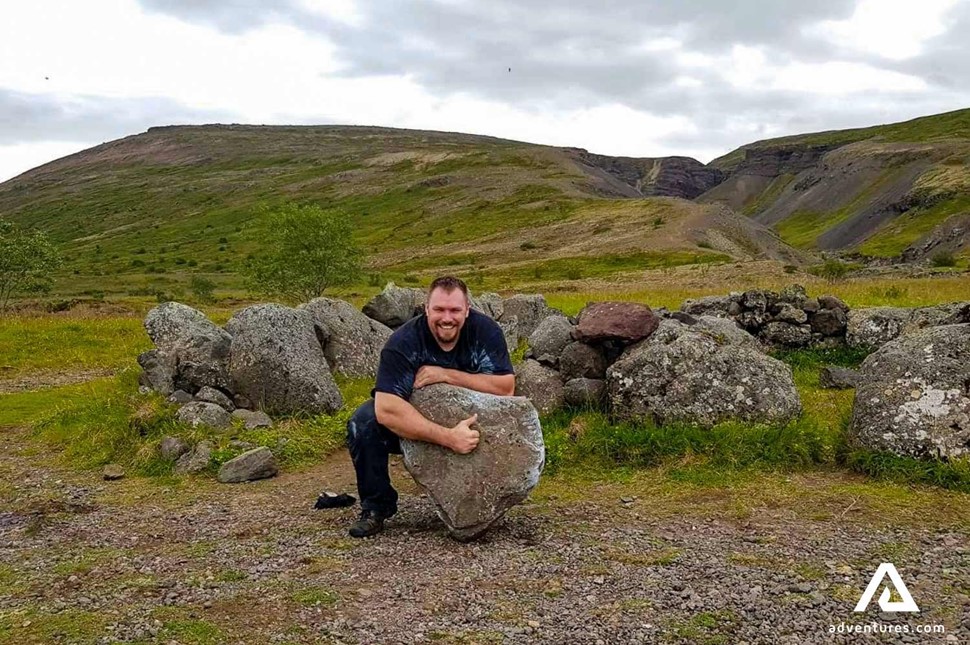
305 250
202 288
27 259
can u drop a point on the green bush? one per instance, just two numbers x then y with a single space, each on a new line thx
943 259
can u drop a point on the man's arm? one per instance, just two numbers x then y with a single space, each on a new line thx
404 420
500 384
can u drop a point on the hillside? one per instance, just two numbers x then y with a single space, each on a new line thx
145 212
887 191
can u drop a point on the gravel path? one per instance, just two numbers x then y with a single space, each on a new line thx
636 561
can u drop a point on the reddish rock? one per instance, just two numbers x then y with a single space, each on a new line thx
626 321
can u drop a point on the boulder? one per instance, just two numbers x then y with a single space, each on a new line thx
158 371
875 326
528 310
832 302
913 398
277 362
829 322
353 341
196 347
579 360
212 395
721 330
549 338
683 375
112 472
585 393
258 463
472 491
720 306
786 335
201 413
172 448
952 313
833 377
788 313
395 305
490 304
253 419
510 330
196 460
180 397
540 384
623 321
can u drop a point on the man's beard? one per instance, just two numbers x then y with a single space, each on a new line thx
446 335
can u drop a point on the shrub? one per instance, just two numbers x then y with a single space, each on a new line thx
943 259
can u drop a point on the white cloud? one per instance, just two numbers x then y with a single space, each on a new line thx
17 158
893 29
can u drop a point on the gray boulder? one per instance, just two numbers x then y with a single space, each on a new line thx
490 304
354 341
253 419
719 306
195 460
875 326
171 448
158 371
258 463
829 322
201 413
786 335
395 305
549 338
529 310
788 313
833 377
180 397
913 398
510 330
584 393
690 376
212 395
277 362
832 302
198 349
952 313
721 330
472 491
540 384
579 360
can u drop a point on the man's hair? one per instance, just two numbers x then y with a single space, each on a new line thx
449 284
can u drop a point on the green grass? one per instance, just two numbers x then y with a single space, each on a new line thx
767 196
897 235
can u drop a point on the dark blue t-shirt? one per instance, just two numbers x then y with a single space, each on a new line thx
480 349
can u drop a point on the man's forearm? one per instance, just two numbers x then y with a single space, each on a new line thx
500 384
401 418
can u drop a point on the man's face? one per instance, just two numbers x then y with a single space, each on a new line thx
447 311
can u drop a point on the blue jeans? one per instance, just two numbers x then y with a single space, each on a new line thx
370 443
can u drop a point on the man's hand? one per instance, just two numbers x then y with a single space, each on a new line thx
463 438
429 375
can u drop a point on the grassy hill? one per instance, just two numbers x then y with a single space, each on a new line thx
891 190
146 212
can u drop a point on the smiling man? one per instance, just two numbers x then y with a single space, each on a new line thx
449 343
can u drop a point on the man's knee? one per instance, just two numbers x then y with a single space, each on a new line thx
363 422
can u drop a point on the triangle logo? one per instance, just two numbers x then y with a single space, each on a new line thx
906 604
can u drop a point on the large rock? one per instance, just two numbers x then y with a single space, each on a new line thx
277 362
722 330
585 393
720 306
158 371
549 338
623 321
353 340
540 384
202 413
258 463
395 305
510 331
687 375
951 313
913 398
472 491
528 310
875 326
195 460
786 335
212 395
198 349
579 360
490 304
253 419
829 322
834 377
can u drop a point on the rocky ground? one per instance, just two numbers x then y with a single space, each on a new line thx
764 558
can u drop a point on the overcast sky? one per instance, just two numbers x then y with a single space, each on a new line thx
623 77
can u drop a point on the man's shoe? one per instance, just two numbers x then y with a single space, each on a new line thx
369 523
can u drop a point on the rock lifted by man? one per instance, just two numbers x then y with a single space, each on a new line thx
449 344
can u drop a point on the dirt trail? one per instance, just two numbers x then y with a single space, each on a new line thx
138 560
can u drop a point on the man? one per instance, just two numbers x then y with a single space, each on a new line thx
449 343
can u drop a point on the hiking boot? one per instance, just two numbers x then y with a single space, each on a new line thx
369 523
